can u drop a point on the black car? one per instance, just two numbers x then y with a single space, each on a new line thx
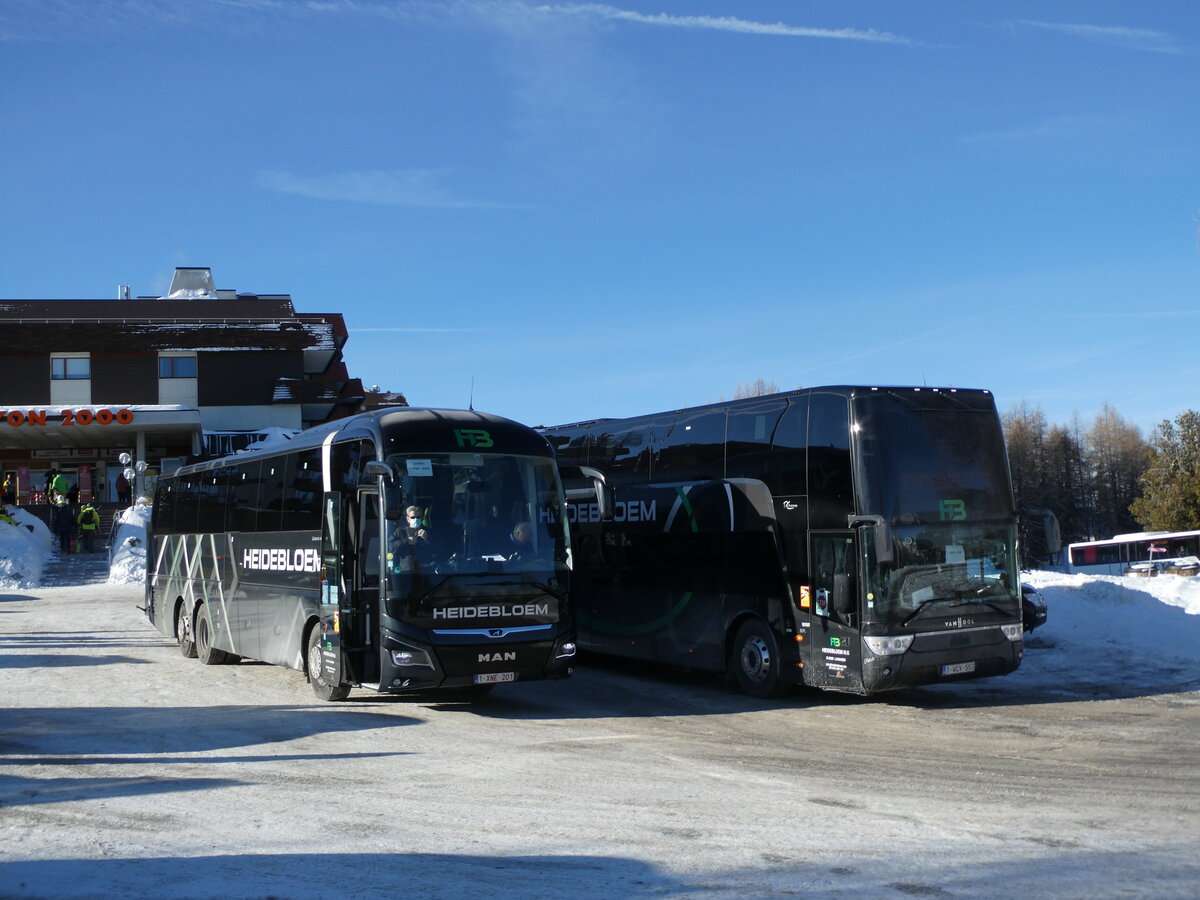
1033 607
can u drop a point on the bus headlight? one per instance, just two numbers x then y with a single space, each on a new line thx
411 656
1013 632
565 651
888 646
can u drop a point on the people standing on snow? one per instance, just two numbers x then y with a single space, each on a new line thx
89 521
64 526
59 488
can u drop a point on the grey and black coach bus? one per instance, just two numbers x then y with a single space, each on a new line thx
856 539
396 550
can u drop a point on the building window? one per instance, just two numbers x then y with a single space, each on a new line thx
70 368
177 367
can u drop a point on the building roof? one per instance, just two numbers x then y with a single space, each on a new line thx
151 325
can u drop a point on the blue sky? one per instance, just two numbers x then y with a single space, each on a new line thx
593 209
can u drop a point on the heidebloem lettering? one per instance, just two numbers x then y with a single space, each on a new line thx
278 559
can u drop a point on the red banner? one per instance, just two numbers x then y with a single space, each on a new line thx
85 484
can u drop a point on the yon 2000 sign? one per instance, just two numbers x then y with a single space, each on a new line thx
101 416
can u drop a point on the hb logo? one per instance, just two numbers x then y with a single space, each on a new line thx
952 510
473 437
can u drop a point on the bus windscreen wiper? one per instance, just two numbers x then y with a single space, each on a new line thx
953 600
933 601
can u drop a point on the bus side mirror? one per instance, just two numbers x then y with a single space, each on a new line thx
588 485
881 534
883 542
376 468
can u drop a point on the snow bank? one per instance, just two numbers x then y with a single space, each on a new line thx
1142 630
25 546
127 556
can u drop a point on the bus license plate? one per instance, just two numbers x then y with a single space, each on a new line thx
959 668
495 677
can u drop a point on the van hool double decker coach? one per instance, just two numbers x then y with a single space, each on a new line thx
856 539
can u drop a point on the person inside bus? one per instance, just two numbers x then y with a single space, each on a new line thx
407 541
520 542
407 549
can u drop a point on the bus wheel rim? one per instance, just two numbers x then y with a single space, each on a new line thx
756 658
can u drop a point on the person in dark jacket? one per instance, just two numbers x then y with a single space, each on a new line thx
64 527
123 490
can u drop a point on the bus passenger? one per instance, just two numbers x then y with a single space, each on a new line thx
520 541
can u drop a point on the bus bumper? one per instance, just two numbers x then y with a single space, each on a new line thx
943 656
412 665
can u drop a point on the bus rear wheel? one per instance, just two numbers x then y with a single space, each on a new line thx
208 654
322 687
755 661
183 632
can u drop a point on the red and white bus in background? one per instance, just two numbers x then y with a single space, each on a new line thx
1143 553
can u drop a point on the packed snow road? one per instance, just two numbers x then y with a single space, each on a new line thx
128 771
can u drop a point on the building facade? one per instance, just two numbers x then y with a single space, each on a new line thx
198 372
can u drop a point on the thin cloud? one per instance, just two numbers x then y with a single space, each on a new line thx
1053 130
41 20
414 188
724 23
1147 40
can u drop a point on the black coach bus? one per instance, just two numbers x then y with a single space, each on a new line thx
396 550
855 539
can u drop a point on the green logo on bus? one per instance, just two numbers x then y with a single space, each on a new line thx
473 437
953 510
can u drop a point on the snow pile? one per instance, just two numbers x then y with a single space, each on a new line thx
1129 630
25 545
127 556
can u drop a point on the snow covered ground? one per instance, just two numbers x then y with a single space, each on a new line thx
1146 628
127 771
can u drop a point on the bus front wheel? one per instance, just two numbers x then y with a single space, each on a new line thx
322 687
183 631
755 661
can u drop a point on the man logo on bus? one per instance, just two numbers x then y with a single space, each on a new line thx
473 437
953 510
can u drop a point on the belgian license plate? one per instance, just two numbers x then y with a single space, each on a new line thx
959 668
501 677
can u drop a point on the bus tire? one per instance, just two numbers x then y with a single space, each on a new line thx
183 631
316 672
207 653
755 661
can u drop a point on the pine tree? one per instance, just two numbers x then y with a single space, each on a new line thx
1170 498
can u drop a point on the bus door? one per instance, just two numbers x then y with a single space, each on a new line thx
333 586
363 555
834 655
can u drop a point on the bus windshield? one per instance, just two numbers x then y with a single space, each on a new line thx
946 569
473 513
935 456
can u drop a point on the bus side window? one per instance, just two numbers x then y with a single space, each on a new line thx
748 438
830 480
788 461
692 448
